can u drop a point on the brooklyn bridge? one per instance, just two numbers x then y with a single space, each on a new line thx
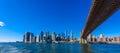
100 11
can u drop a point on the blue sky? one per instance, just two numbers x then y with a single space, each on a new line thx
34 16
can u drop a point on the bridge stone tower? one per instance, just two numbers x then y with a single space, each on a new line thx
83 40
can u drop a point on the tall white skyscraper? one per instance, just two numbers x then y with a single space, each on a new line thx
53 36
65 35
38 38
71 35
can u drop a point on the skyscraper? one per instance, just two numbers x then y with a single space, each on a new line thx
44 38
89 38
68 38
38 39
41 36
58 37
32 38
26 38
48 37
53 36
71 35
65 35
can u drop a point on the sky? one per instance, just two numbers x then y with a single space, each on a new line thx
20 16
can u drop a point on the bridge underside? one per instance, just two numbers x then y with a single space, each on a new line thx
99 12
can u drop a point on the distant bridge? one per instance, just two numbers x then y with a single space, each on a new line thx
99 12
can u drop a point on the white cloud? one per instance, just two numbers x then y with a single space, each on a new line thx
2 24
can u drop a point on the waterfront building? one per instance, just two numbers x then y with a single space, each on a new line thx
58 38
75 39
44 38
28 37
65 35
68 38
62 36
89 38
53 36
38 39
41 36
93 38
101 36
35 38
109 39
48 37
116 39
24 38
32 38
102 40
47 34
71 36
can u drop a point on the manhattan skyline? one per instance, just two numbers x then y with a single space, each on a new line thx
20 16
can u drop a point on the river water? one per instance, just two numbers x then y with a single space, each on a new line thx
58 48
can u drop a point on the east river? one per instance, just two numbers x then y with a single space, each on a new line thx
58 48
